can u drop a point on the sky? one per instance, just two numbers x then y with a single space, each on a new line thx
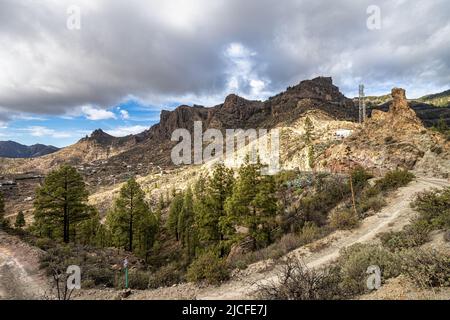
70 67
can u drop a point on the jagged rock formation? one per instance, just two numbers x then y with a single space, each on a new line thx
237 112
400 115
389 140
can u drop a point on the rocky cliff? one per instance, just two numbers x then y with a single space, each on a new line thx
389 140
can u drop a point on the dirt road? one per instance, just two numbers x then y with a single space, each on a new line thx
20 277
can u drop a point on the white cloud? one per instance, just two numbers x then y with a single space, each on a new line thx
93 113
126 130
242 72
124 114
40 131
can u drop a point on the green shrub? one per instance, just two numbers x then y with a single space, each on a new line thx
427 268
166 276
309 233
208 267
330 192
375 203
88 284
138 279
344 219
412 235
360 176
395 179
354 261
371 191
434 207
99 276
44 243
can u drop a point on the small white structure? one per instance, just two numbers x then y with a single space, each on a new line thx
343 133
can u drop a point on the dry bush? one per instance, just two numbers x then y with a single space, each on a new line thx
166 276
344 219
426 268
375 203
298 282
412 235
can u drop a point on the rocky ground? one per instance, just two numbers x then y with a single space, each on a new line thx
20 276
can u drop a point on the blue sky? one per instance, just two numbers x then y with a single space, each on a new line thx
129 117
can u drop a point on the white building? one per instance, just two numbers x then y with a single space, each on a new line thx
343 133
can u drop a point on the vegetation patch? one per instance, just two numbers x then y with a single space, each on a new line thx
208 267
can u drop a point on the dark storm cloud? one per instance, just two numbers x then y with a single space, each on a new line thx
162 51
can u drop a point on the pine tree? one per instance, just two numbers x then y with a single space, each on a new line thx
265 203
103 237
88 229
20 220
174 212
131 222
146 231
238 206
186 228
252 204
60 202
210 203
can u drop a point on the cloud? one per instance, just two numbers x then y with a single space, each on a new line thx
242 72
92 113
196 52
122 131
124 114
40 131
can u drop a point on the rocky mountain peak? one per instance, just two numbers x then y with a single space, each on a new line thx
233 101
319 88
99 133
99 136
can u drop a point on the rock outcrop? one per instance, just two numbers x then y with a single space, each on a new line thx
399 117
389 140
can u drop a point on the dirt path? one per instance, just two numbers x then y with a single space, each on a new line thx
394 216
20 277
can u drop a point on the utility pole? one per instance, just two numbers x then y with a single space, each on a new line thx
125 266
362 104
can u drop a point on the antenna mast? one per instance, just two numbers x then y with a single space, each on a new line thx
362 104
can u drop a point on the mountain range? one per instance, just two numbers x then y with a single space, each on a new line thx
11 149
106 158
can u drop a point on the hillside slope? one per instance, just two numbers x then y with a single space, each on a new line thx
245 283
